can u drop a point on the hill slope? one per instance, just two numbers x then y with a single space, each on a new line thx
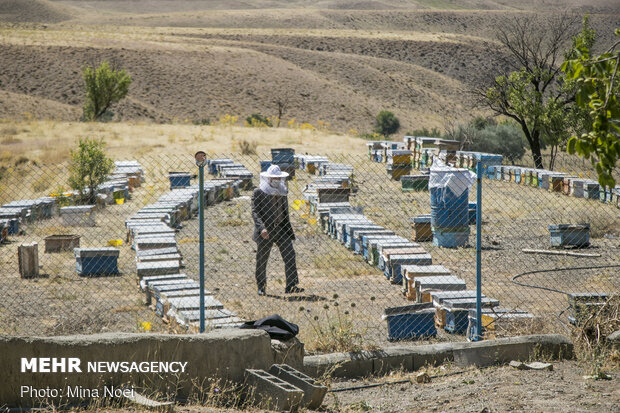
38 11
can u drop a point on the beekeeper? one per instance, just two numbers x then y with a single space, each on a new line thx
272 225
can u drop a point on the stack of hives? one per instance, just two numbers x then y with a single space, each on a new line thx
173 295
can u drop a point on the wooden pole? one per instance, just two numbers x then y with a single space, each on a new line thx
569 253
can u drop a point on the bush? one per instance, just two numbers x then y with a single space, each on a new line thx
505 139
257 120
386 123
247 147
89 168
105 86
433 133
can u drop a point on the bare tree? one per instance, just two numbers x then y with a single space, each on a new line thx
282 106
532 92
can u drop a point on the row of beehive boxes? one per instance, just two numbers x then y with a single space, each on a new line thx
17 213
229 169
400 259
443 301
406 262
174 296
555 182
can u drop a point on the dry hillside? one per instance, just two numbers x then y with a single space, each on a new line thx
331 61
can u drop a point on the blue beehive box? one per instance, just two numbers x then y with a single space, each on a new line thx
179 179
471 208
264 165
12 226
96 261
450 238
281 156
393 269
577 235
457 320
410 321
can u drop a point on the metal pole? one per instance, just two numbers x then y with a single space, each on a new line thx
201 229
478 334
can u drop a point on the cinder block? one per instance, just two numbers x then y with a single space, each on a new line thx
314 393
271 392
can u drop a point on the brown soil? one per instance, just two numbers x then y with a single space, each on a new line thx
336 66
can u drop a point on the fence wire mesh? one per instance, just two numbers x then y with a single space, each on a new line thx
376 254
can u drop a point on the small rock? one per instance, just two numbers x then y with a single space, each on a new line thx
422 378
537 365
531 366
614 339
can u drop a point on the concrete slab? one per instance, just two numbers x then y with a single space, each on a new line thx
504 350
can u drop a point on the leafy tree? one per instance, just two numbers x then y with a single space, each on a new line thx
598 92
534 94
386 123
89 168
105 86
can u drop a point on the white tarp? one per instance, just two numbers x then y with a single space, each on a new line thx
455 179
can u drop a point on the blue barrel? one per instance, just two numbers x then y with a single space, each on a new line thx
264 165
449 210
449 218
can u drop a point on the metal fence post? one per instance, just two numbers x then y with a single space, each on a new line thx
200 161
478 335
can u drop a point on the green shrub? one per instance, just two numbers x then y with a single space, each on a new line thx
505 139
89 168
386 123
105 86
433 133
257 120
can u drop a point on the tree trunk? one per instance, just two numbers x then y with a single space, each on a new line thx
535 146
534 140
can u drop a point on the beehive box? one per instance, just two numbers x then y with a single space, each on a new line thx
386 253
410 272
496 319
369 245
61 242
414 183
78 216
591 190
359 235
96 261
425 285
393 271
146 268
583 305
155 289
185 303
421 228
439 297
410 322
563 235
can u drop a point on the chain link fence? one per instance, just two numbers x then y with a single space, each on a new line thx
377 253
